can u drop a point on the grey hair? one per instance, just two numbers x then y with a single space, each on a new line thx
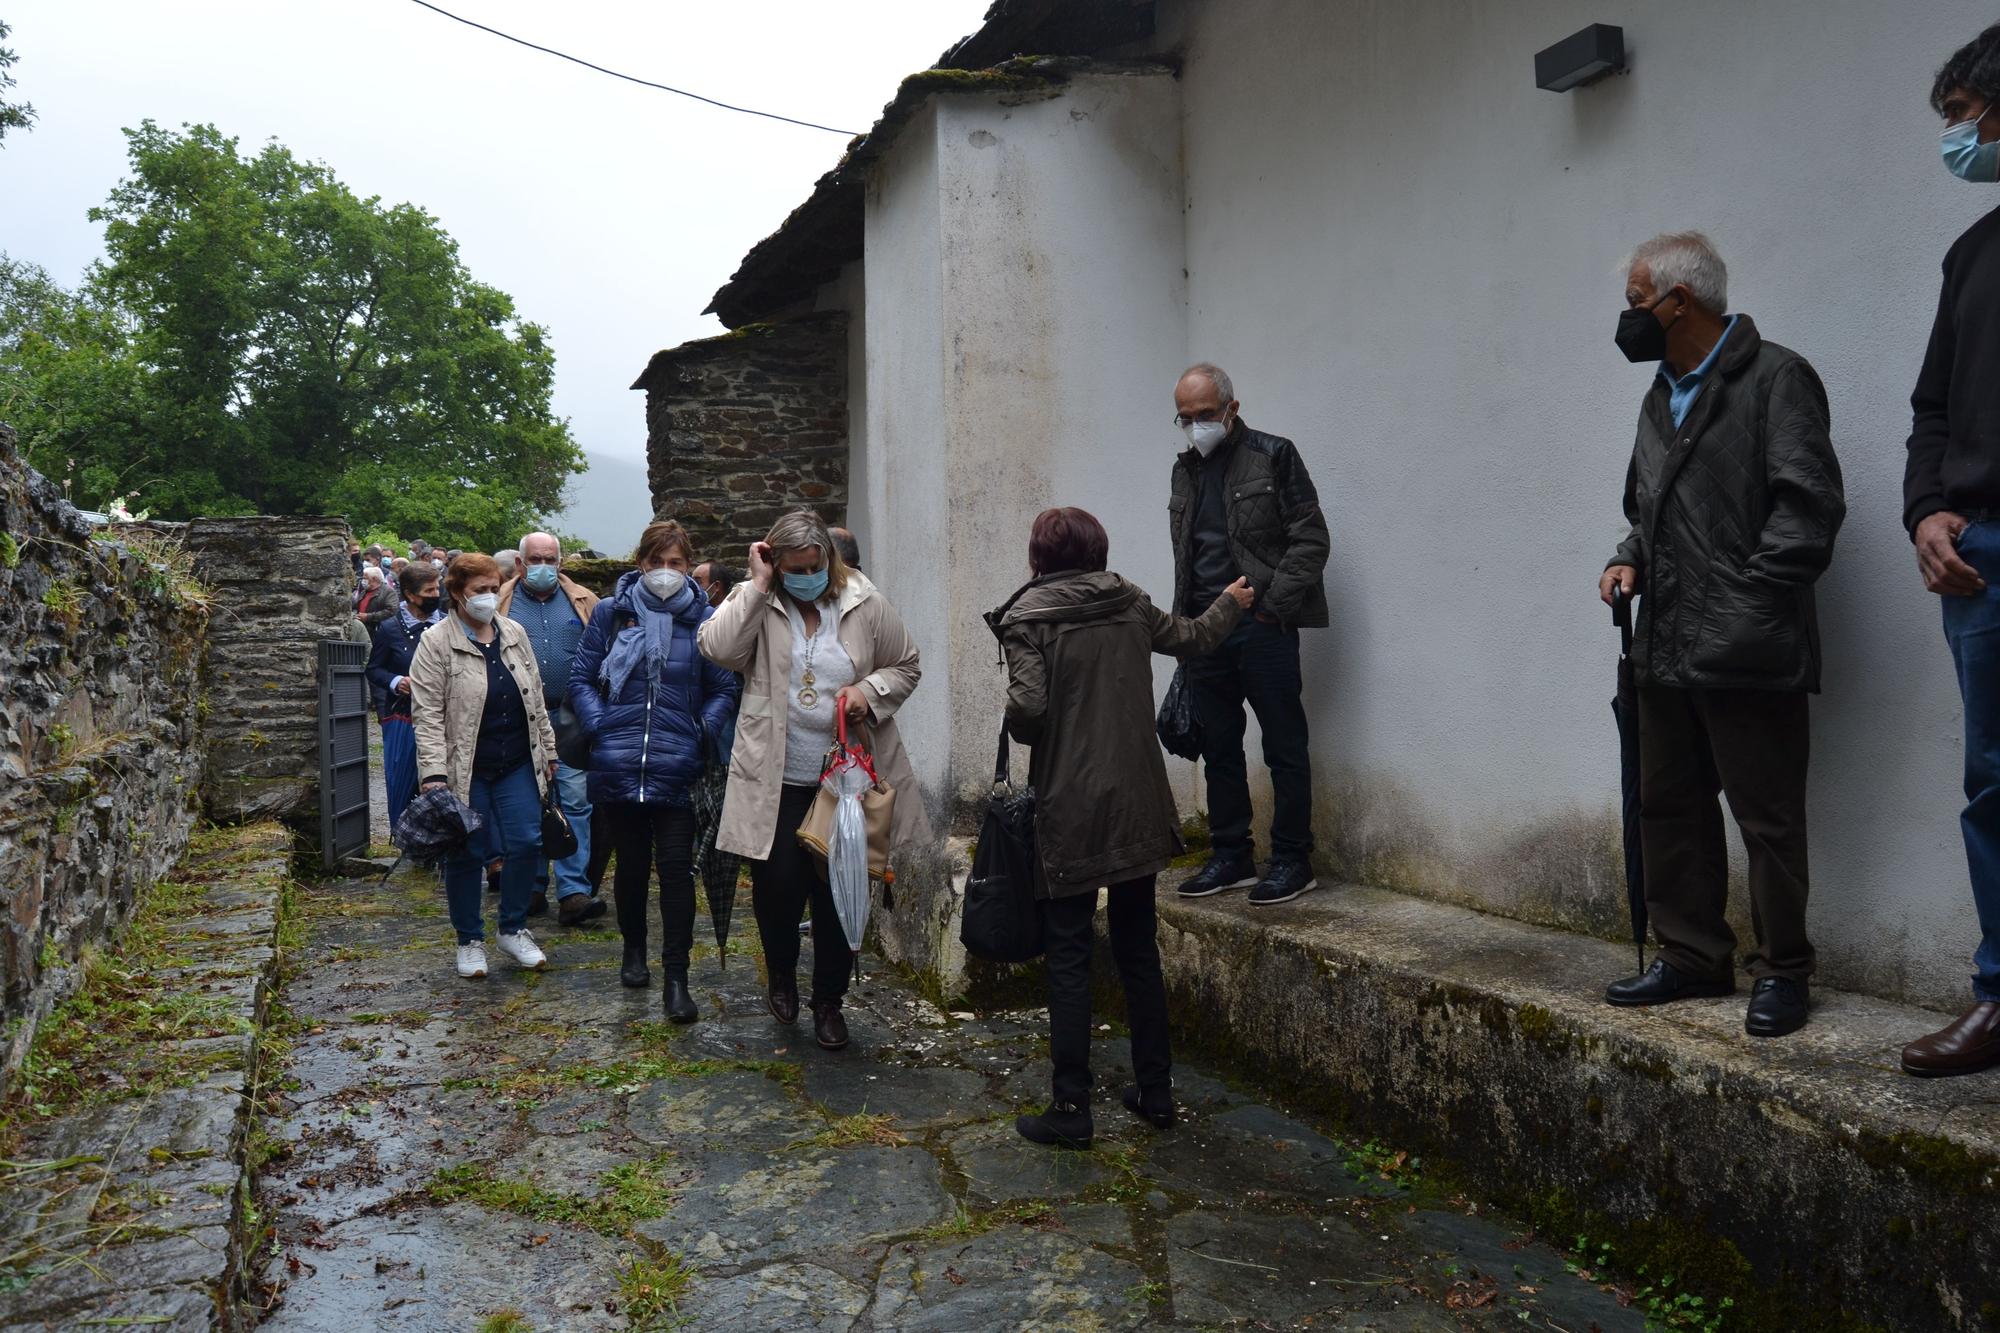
1215 375
550 535
1685 259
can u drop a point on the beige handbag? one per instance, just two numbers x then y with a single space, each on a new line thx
878 809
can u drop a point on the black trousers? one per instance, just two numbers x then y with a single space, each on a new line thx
648 835
1257 664
779 891
1751 745
1135 948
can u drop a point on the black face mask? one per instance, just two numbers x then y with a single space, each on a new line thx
1641 336
423 606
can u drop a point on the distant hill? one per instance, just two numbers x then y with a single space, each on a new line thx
609 504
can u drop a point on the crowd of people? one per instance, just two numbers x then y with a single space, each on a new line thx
689 711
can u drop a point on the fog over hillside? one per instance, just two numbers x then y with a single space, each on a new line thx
609 503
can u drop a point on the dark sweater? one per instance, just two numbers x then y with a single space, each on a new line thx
1954 460
503 725
1213 567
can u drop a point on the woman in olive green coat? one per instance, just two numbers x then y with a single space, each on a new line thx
1079 643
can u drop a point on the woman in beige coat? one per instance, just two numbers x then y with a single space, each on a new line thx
483 730
809 636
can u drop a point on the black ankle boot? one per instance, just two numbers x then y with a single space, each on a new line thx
633 970
679 1004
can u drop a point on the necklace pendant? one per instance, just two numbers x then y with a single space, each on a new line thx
809 681
808 696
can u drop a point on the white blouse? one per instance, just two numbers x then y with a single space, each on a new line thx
809 728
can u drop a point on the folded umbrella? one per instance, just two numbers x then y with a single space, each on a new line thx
435 826
1625 708
719 870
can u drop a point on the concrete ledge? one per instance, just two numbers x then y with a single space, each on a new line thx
125 1197
1806 1174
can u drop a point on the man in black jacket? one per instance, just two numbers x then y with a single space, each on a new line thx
1951 505
1243 506
1734 497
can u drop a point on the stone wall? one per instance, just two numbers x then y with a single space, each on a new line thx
743 427
100 747
281 585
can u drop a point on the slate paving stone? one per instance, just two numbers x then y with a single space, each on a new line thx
1235 1265
1000 1165
740 1111
1011 1278
790 1296
157 1310
918 1098
791 1204
442 1271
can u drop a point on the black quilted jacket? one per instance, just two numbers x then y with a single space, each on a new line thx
1276 530
1733 518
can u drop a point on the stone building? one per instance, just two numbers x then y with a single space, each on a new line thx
1409 257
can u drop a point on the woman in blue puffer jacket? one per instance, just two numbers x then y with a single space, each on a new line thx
648 700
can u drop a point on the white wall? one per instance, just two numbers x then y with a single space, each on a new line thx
1408 258
1002 348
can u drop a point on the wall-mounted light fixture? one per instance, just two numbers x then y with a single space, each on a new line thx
1580 58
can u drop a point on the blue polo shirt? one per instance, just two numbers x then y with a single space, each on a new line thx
1681 392
554 630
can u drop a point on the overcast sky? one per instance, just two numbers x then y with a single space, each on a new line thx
609 212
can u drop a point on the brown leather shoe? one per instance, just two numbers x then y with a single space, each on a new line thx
829 1028
1967 1045
784 1002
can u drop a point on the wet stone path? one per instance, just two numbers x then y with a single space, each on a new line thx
540 1151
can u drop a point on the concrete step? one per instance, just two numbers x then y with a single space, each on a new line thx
1808 1168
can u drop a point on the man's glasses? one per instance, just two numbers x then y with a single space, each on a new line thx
1183 420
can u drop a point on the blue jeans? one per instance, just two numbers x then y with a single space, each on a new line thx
573 790
1257 664
1972 626
511 807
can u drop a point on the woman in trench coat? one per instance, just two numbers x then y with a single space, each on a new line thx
809 636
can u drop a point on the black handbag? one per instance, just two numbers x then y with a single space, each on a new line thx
558 838
1178 726
1003 919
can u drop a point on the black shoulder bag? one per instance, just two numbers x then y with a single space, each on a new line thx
1003 921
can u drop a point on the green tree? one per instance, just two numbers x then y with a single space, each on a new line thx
292 348
13 115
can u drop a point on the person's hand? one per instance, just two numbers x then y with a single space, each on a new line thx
763 565
402 685
436 786
1938 559
853 702
552 770
1241 593
1618 576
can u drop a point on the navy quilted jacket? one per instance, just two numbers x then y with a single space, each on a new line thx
648 743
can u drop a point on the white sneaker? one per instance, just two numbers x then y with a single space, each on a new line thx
523 950
472 959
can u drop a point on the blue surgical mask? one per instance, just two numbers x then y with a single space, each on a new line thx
540 578
806 587
1966 157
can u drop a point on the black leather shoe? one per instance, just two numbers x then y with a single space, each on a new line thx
632 971
1777 1007
674 996
1063 1125
1156 1108
580 909
538 904
1663 983
829 1028
1221 872
1284 881
784 1002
